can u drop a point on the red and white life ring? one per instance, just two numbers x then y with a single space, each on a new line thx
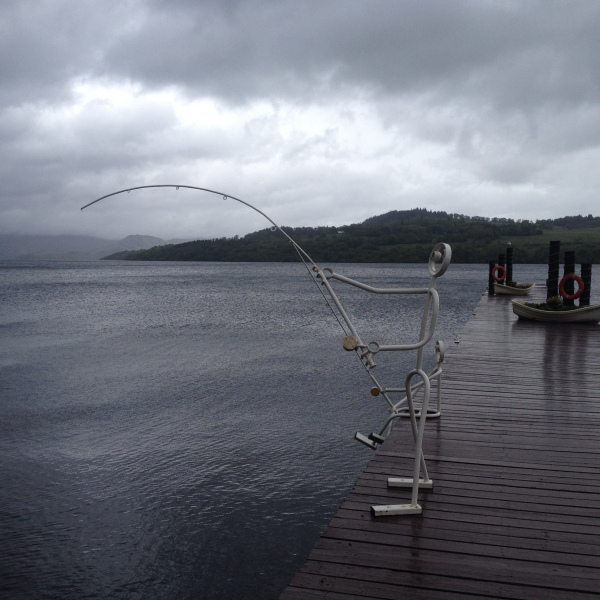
499 268
564 280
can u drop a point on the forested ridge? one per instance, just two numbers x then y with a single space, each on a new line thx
396 236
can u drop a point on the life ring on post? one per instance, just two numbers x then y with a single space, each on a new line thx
564 280
499 268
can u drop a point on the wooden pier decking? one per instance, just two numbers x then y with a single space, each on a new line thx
515 460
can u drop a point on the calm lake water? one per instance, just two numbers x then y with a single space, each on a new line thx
185 430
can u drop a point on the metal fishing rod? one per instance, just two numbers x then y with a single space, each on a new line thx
224 196
301 252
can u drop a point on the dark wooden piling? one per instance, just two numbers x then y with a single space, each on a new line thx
586 276
502 263
509 264
515 509
569 285
553 268
491 291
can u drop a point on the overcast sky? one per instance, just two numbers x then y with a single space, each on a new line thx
318 112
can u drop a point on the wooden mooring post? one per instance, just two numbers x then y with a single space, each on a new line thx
509 264
502 263
586 275
491 290
569 268
553 268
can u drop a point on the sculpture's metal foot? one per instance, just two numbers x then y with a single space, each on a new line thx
396 509
363 439
407 482
375 437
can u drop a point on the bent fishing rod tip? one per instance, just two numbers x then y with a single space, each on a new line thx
275 227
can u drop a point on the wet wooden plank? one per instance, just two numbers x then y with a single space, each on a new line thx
515 457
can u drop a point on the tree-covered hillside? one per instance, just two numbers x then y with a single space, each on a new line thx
397 236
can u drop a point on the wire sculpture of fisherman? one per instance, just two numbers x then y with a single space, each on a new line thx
439 260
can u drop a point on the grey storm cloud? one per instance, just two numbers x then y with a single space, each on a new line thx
520 55
322 112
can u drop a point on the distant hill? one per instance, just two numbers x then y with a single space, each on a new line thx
399 216
396 236
71 247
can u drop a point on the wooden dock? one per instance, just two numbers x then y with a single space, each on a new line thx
515 459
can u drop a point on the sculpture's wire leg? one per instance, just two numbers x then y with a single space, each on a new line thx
418 429
419 459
